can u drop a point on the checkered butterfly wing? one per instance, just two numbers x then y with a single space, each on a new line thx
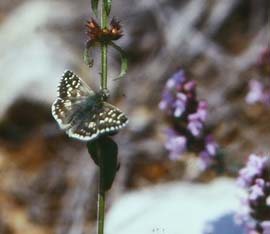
104 119
82 113
72 92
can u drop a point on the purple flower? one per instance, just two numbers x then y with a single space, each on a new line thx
174 98
195 126
197 119
177 79
253 168
167 100
202 110
256 190
256 92
211 147
190 85
266 227
208 154
176 144
180 104
177 94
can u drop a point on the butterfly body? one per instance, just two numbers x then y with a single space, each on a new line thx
83 114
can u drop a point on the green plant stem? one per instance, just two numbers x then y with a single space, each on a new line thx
104 66
104 75
101 197
104 50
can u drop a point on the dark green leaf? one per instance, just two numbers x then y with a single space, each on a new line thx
124 60
94 4
110 162
93 148
104 153
108 6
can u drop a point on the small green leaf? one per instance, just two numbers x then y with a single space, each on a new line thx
104 150
94 4
124 61
108 6
88 60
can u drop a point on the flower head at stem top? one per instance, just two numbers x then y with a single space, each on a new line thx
104 35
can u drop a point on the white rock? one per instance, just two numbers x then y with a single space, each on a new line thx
32 59
176 208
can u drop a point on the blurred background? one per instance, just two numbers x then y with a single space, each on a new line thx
48 183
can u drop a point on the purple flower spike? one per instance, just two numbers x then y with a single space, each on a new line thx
254 178
187 116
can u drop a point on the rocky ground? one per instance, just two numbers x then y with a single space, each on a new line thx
47 183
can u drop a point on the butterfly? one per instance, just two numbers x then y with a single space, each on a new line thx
82 113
